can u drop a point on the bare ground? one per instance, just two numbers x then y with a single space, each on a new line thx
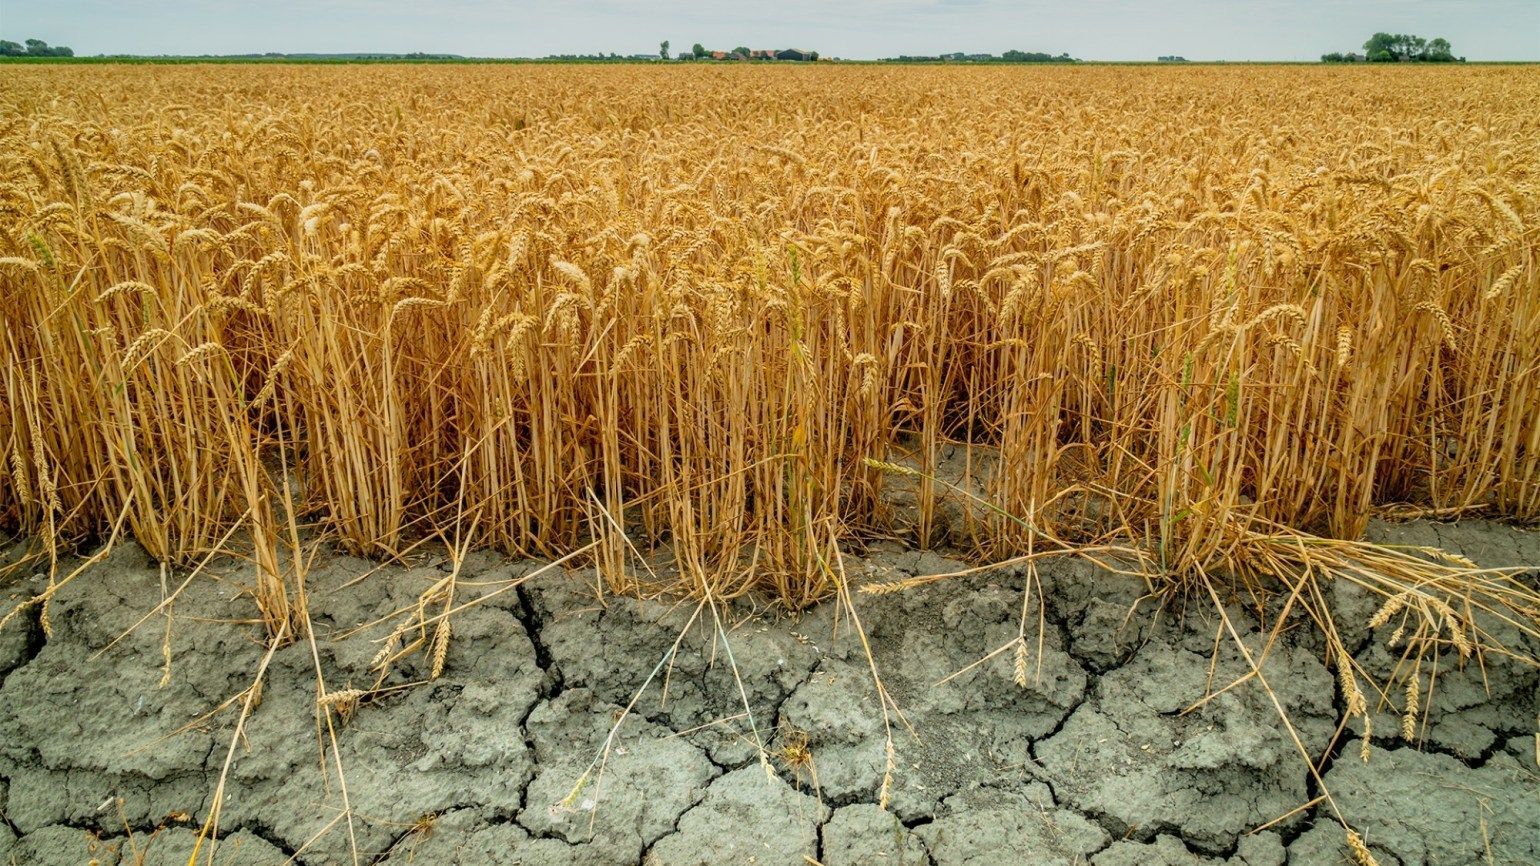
1094 760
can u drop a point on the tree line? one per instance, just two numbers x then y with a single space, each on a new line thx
1397 48
1012 56
33 48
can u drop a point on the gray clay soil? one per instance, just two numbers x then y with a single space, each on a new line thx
1094 761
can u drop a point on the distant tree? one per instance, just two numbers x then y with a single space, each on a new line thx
812 55
1405 48
698 50
1011 56
743 52
34 48
1439 51
663 49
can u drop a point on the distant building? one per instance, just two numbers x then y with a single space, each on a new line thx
764 54
1172 58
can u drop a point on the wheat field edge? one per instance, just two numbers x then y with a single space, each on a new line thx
1180 311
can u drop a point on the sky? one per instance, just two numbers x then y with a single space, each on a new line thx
856 29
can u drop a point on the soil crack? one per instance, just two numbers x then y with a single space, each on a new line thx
134 832
552 684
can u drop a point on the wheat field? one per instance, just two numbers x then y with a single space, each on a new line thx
1199 314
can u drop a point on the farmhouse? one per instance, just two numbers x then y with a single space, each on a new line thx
763 54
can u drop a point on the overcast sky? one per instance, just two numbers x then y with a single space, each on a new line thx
1090 29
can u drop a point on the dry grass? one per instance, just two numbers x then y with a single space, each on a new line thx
692 303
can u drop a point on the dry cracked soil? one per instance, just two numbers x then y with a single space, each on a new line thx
105 758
